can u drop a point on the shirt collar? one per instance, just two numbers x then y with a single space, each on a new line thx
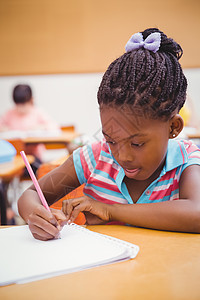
176 155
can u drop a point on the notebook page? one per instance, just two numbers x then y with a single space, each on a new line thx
25 259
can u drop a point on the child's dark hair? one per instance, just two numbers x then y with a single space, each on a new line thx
22 93
153 81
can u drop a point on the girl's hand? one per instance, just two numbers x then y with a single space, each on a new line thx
45 225
95 211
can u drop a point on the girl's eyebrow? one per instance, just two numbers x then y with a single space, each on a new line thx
131 136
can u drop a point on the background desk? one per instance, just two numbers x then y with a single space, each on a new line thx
166 268
63 139
7 173
195 135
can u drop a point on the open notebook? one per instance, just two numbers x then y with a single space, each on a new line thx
24 259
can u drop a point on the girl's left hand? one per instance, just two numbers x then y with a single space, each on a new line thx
95 211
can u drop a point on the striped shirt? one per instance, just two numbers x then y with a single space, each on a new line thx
103 176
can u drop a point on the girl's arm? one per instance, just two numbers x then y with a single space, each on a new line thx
57 183
178 215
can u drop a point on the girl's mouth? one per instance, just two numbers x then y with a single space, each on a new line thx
131 172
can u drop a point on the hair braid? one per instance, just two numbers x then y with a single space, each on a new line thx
154 81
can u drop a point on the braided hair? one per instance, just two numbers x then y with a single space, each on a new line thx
141 78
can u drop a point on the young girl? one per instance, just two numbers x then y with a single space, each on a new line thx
139 174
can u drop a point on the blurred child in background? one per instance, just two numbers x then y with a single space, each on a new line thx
25 116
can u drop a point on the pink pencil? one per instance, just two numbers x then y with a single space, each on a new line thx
35 182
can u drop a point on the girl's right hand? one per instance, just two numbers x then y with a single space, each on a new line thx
45 225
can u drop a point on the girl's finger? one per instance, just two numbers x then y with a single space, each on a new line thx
49 228
68 206
75 213
43 213
82 207
65 208
39 233
60 217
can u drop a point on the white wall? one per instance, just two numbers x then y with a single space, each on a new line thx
193 77
72 99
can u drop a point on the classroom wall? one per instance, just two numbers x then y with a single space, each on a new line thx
62 36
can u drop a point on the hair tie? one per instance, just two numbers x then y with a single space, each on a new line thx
151 43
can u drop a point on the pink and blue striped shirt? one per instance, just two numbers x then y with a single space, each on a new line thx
103 176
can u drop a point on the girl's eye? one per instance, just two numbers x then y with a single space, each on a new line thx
111 142
137 145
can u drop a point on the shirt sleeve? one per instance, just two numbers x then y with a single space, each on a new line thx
193 155
85 159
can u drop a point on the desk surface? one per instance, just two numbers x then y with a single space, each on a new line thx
194 135
167 267
11 169
64 137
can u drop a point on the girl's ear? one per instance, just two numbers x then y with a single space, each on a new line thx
175 126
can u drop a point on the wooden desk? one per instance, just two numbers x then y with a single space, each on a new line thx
63 138
194 135
7 172
167 267
59 161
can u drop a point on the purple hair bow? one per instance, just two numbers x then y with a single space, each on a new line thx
151 43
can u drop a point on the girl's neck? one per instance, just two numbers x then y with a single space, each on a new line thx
137 187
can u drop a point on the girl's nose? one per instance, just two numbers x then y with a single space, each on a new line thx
124 154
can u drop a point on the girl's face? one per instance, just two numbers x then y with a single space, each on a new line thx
138 143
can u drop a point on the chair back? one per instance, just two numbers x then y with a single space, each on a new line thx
18 144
